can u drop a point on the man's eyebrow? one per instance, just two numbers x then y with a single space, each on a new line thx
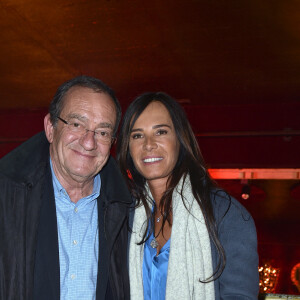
76 116
83 118
105 125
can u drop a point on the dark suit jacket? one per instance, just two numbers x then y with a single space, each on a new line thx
29 260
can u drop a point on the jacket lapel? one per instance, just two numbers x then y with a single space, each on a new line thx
47 278
103 258
112 210
110 218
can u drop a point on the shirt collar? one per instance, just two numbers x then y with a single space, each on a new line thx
59 190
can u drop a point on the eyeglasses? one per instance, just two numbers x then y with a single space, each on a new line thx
102 135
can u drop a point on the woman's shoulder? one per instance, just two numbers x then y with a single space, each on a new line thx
237 234
225 206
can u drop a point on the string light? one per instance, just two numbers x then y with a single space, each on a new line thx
268 278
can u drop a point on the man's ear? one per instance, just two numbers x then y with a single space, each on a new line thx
48 128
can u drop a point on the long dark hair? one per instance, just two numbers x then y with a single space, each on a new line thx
190 162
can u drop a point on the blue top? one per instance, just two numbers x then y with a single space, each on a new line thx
237 234
155 270
78 242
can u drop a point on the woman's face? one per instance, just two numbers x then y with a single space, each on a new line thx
153 144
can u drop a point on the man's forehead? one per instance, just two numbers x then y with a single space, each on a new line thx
79 95
85 103
78 91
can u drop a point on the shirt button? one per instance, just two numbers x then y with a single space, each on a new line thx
73 276
76 209
75 242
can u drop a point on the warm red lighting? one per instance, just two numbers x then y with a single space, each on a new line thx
245 196
246 191
129 174
268 278
244 174
295 276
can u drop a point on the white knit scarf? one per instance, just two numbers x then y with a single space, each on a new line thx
190 253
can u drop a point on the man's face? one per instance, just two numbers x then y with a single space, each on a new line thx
77 158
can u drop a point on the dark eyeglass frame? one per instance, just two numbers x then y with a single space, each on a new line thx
113 138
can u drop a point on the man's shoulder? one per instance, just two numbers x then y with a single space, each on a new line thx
113 184
23 160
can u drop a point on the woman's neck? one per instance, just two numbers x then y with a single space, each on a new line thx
157 189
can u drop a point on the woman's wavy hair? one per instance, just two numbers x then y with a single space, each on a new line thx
190 162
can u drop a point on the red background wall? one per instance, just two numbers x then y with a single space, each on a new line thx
274 204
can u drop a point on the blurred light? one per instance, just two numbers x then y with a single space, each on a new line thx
246 191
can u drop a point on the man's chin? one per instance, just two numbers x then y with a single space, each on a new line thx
85 174
85 171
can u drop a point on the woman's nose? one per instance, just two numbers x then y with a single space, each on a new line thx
150 143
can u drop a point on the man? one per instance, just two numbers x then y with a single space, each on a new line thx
64 204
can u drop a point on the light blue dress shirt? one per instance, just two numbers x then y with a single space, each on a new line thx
78 242
155 271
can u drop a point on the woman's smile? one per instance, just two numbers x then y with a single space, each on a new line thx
153 144
152 159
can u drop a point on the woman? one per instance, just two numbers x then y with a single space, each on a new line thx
189 239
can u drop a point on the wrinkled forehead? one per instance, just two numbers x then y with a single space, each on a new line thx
80 93
94 106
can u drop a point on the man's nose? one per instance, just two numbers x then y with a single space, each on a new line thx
88 140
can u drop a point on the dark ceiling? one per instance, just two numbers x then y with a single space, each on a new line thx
208 52
235 64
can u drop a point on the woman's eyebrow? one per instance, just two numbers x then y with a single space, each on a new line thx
154 127
161 125
136 129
